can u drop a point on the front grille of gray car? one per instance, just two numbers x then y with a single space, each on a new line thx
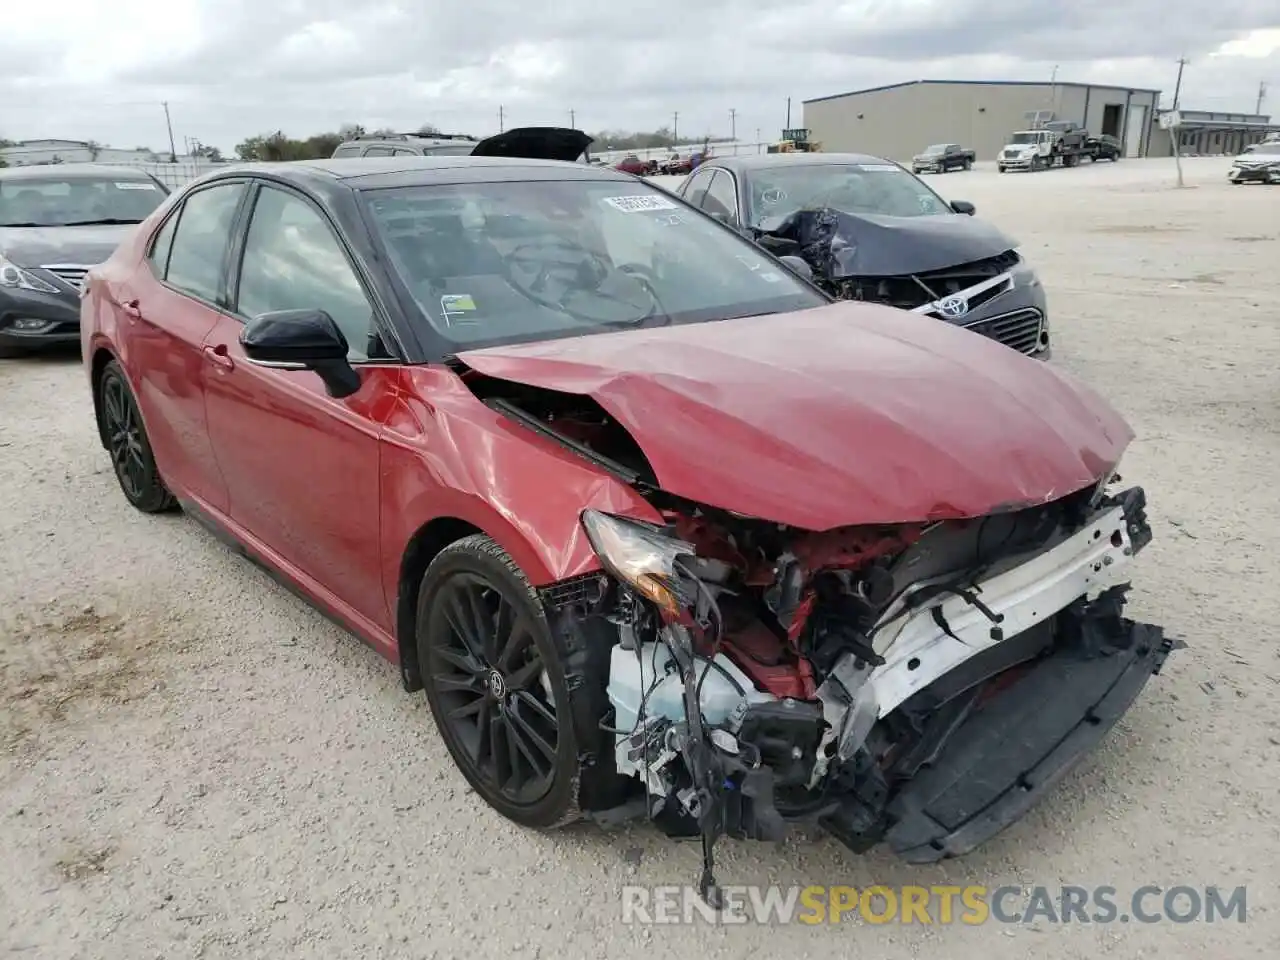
1019 329
71 273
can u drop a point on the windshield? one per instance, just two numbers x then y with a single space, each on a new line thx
935 149
1264 149
63 201
497 263
1029 137
875 188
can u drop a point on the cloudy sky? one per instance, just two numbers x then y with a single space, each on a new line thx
101 69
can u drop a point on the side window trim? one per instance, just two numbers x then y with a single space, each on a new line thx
696 191
735 211
239 242
220 303
173 216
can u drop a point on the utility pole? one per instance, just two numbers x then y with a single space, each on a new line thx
758 140
173 150
500 119
788 113
675 129
733 128
572 120
1262 95
1175 129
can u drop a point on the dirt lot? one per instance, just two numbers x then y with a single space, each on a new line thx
193 763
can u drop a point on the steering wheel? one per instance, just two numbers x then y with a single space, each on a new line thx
581 273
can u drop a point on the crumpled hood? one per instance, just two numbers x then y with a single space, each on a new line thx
845 414
844 245
37 246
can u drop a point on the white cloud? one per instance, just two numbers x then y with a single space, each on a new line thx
233 68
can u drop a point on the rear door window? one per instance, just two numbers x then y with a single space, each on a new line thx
199 244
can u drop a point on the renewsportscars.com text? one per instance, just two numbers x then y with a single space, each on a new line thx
970 905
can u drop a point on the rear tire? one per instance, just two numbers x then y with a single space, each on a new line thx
132 459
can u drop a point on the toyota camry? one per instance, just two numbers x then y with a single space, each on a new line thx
659 528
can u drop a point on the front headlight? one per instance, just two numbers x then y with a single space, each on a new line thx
639 555
14 277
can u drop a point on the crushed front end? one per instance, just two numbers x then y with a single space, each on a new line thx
917 684
985 286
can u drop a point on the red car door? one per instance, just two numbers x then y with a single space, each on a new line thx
165 312
302 469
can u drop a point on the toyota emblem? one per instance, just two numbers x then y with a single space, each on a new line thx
953 308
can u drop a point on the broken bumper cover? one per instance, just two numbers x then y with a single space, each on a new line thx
1023 741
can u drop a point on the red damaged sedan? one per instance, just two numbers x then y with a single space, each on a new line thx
660 528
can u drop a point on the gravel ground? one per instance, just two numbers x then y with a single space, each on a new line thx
193 763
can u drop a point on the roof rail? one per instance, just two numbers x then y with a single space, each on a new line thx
414 136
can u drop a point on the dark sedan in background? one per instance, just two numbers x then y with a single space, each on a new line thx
57 221
870 230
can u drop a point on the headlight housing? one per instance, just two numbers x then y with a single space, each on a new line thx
14 277
639 555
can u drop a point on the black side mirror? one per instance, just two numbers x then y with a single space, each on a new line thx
302 340
797 266
964 206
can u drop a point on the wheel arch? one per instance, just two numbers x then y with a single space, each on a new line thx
424 546
97 366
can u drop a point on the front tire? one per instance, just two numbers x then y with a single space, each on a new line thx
496 684
122 428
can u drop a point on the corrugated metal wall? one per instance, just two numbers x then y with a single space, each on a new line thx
898 122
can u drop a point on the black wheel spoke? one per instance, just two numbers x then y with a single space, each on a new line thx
459 612
498 735
453 683
518 642
527 674
539 709
463 660
540 754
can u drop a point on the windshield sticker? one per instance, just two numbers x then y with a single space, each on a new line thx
670 220
456 306
134 185
770 277
878 167
641 204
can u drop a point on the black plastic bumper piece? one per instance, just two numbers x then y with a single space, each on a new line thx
1022 742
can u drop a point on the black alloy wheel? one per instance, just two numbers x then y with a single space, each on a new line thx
126 440
495 683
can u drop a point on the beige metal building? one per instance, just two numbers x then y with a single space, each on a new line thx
900 120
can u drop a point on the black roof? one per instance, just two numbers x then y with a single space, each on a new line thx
374 172
770 161
73 171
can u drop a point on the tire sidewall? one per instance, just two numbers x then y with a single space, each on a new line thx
465 557
155 496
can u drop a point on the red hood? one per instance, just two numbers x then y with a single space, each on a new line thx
841 415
